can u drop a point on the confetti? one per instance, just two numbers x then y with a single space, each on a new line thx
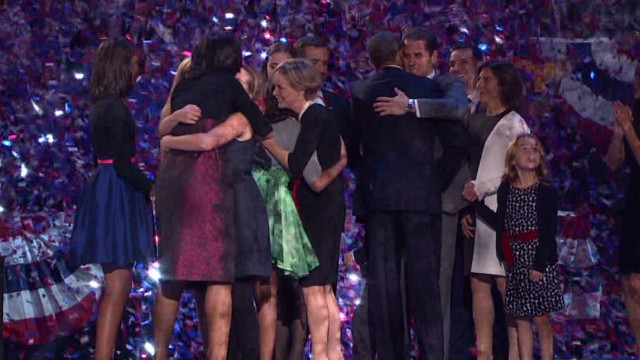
572 73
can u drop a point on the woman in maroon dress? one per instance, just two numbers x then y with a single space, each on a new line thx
195 195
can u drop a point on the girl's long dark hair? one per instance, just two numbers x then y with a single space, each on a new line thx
111 74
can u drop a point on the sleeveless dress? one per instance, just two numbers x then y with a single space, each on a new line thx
194 204
253 250
524 297
291 249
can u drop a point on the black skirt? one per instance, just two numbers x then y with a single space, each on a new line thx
323 216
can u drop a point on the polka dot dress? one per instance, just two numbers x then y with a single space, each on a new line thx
524 297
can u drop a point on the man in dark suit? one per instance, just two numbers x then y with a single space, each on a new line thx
399 187
316 50
420 50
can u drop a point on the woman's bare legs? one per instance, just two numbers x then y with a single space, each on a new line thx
318 315
512 332
334 343
525 337
164 316
114 298
267 301
483 314
292 329
198 296
218 309
545 336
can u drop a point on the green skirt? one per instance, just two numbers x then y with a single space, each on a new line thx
291 250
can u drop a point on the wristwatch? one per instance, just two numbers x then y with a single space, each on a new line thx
411 105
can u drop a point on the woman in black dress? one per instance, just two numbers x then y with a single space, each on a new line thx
625 149
281 309
297 83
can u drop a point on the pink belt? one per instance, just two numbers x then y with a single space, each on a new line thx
110 161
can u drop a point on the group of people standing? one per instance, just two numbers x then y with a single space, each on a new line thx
250 200
484 155
229 231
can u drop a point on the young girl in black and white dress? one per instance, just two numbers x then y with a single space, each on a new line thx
526 225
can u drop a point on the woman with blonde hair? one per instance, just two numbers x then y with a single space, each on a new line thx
296 88
189 114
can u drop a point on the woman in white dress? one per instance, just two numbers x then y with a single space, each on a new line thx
500 90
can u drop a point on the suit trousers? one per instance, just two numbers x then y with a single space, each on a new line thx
461 335
415 237
363 348
447 260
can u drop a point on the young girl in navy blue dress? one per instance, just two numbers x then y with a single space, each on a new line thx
113 224
526 225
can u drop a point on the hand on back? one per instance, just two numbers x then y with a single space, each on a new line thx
189 114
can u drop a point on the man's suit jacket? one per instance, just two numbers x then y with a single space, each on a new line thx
340 108
453 106
397 170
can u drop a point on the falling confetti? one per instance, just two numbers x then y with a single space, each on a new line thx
572 79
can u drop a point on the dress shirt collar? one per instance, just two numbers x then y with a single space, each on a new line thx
391 67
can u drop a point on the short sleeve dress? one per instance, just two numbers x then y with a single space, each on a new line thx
322 213
290 247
